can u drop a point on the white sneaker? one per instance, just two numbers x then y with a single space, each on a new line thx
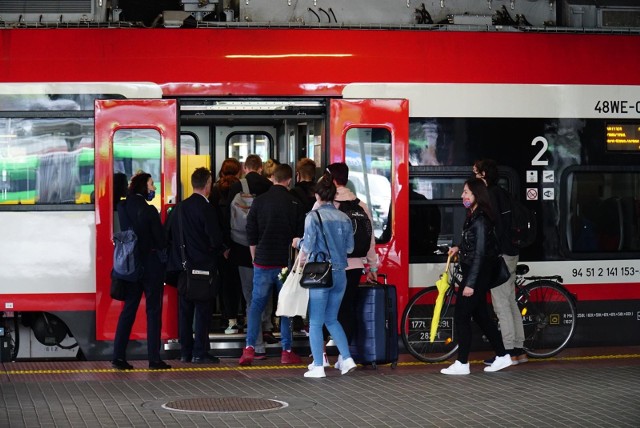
325 361
347 366
331 343
457 368
232 329
338 364
315 372
499 363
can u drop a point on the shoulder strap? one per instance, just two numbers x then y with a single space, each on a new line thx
183 255
245 185
504 201
323 235
128 223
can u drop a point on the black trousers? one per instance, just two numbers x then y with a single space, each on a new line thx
190 345
475 307
347 312
230 288
152 285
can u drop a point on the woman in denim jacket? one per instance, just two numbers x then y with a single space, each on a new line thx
324 303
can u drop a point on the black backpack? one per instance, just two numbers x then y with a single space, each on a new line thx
519 220
362 228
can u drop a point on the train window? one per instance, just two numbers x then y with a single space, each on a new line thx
368 155
436 214
46 161
48 102
242 144
188 143
603 212
423 138
136 150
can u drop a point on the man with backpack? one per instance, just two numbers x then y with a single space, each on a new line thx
503 297
364 246
241 196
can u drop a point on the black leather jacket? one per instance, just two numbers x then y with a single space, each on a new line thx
478 250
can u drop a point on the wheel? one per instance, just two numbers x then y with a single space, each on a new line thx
548 317
416 326
394 364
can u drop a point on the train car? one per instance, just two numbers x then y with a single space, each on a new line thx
408 110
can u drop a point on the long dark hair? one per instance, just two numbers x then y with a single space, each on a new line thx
480 192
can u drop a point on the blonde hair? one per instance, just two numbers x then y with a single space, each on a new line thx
269 167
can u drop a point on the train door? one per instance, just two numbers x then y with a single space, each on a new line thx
131 135
372 137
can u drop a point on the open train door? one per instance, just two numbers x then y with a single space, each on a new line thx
131 135
372 137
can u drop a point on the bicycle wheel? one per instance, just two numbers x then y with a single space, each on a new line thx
416 326
548 317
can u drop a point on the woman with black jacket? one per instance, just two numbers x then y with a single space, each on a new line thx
477 253
151 248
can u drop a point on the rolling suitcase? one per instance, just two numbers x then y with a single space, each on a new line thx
375 340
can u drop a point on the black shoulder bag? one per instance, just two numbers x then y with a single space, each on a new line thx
317 273
194 284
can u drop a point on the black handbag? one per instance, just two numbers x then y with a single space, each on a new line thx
317 273
119 288
195 284
501 273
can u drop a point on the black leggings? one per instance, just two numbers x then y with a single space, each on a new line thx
475 306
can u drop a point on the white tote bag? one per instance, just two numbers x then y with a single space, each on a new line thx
293 299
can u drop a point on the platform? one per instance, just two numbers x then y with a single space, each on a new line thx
582 387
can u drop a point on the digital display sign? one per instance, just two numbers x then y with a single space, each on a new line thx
623 137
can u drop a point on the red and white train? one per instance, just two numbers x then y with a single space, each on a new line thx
408 110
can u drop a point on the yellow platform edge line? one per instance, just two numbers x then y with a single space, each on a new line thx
287 367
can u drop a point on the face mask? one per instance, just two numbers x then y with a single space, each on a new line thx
151 195
467 203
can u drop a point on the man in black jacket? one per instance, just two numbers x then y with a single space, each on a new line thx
202 237
275 218
304 189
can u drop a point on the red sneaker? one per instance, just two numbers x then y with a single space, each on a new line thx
290 357
247 356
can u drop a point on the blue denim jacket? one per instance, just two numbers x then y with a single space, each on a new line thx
338 231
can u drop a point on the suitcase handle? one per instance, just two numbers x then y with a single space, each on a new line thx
384 279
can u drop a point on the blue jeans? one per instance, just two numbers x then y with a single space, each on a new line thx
324 304
263 282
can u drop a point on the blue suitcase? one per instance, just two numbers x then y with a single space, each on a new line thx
375 340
